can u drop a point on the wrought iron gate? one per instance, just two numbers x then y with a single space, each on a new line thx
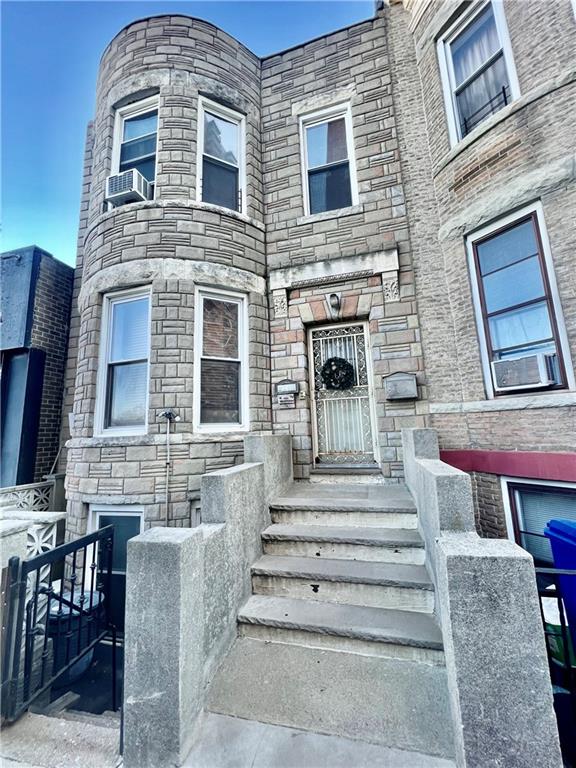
342 416
57 608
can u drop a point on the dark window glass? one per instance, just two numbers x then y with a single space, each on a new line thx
125 527
138 149
141 125
220 184
330 188
220 392
220 329
534 509
515 301
127 388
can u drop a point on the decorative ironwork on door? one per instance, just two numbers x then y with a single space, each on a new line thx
342 395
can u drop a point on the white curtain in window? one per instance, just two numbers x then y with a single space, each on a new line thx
474 46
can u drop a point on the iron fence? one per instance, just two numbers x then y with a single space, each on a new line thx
57 609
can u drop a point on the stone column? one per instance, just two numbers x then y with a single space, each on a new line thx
163 646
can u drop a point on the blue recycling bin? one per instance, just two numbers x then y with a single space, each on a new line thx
562 535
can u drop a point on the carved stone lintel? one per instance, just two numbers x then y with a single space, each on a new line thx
391 290
280 303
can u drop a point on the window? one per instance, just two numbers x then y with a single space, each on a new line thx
221 156
328 161
123 379
136 138
516 303
221 384
532 507
477 69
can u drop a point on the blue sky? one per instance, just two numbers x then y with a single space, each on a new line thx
50 54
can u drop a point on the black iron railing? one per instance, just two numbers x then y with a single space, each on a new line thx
57 609
492 105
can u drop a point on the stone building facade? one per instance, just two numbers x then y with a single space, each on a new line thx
333 217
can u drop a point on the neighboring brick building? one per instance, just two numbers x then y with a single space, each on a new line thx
36 303
326 202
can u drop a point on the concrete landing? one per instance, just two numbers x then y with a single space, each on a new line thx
51 742
230 742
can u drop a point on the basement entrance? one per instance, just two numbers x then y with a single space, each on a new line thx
343 428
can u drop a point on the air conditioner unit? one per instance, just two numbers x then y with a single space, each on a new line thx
527 372
127 187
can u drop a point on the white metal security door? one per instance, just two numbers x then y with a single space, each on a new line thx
342 417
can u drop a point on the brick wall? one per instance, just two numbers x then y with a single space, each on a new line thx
52 300
488 505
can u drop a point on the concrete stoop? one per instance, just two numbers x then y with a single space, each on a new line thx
75 741
339 636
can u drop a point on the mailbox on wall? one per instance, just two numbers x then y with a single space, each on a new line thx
401 386
286 391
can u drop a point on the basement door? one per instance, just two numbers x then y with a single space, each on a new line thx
342 414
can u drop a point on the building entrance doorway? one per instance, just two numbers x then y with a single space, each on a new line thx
342 412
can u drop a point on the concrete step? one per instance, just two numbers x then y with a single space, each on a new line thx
379 585
401 704
105 720
357 629
390 545
347 473
221 741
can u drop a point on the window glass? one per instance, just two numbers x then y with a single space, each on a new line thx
125 527
520 326
330 189
517 242
221 138
475 45
535 509
141 125
220 184
220 326
513 285
220 392
488 92
127 389
138 148
127 363
326 143
129 338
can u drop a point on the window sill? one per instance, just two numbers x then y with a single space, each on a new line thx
327 215
121 433
511 403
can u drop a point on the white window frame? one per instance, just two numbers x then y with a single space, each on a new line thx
118 510
241 300
447 71
506 481
206 105
108 301
124 113
554 295
317 118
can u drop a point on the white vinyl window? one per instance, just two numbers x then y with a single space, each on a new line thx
221 361
329 170
520 325
122 401
221 156
477 68
136 135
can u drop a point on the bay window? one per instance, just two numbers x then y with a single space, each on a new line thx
477 68
519 320
220 156
328 160
221 361
123 376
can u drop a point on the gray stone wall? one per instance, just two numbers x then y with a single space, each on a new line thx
350 66
49 332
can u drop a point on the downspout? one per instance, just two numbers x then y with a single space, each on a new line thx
170 416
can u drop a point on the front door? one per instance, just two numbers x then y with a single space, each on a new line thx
342 407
